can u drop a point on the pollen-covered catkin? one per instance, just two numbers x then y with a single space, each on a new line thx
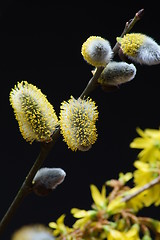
77 123
35 115
97 51
140 48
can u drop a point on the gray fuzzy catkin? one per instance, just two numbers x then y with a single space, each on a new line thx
116 73
47 179
100 51
148 53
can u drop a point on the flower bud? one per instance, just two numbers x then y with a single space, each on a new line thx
47 179
140 48
97 51
117 73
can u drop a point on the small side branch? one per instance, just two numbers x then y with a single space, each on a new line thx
129 25
142 189
92 82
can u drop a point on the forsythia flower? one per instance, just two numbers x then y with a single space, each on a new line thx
145 173
35 115
113 234
84 217
135 203
116 205
33 232
124 178
77 123
117 73
115 220
131 234
149 142
140 48
59 226
99 198
97 51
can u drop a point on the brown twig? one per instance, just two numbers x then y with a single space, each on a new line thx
142 189
26 186
92 83
116 185
129 25
148 222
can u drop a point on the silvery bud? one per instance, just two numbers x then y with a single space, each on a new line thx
117 73
47 179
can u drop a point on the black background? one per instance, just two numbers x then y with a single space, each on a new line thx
41 42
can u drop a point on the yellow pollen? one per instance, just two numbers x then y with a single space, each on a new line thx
35 115
130 43
93 53
77 122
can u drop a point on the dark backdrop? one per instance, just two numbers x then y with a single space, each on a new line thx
41 43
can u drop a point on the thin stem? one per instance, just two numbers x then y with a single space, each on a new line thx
142 189
92 82
26 186
149 223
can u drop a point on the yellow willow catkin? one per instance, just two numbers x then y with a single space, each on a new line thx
35 115
77 123
140 48
97 51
